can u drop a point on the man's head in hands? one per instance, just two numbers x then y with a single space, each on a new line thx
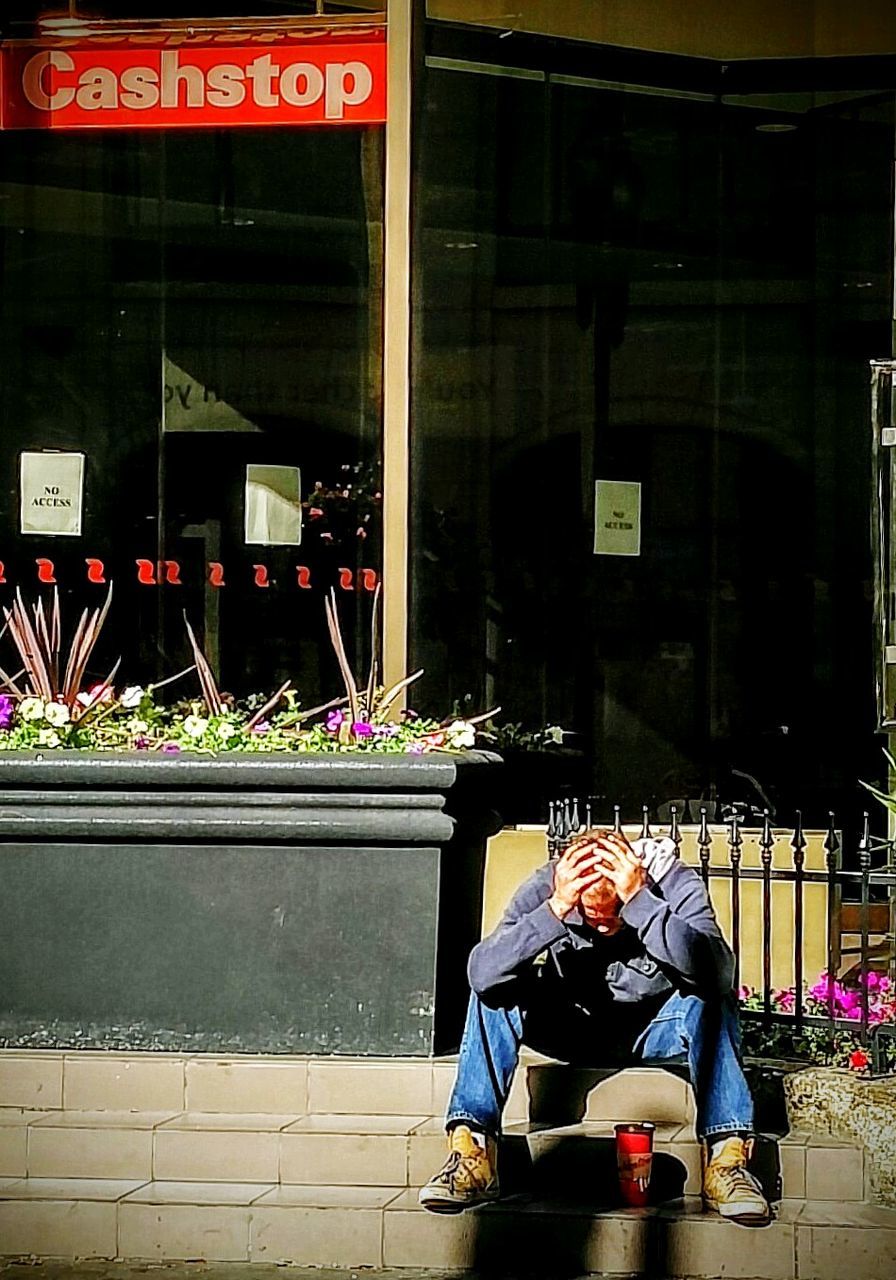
597 873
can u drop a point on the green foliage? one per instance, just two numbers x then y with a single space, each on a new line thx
513 737
887 799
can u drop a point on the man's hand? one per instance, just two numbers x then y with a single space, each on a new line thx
574 872
617 860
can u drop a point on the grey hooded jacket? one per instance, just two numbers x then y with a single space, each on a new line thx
673 939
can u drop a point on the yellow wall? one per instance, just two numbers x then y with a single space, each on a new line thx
514 854
702 28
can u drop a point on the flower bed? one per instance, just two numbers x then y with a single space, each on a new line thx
45 707
133 720
831 1045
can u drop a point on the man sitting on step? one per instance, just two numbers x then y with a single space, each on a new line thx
610 956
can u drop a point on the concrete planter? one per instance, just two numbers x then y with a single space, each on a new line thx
257 904
851 1108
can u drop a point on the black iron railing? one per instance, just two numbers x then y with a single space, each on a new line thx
875 878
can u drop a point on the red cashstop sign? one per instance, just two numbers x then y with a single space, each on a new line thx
150 83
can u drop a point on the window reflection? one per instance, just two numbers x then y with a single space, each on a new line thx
179 308
653 288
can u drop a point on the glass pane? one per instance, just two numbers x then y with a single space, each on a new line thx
180 307
681 292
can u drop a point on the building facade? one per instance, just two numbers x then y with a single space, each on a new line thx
567 346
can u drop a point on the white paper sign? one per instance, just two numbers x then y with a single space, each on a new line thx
617 518
51 486
273 506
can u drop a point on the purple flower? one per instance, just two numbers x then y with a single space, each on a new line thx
361 729
263 726
141 742
334 720
7 707
171 749
415 748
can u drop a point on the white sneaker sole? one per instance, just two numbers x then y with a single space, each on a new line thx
747 1216
437 1203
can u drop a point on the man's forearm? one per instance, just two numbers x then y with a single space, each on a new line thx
514 944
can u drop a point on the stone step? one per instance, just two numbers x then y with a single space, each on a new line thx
169 1083
384 1226
372 1150
90 1080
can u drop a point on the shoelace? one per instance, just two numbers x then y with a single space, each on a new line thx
736 1178
447 1172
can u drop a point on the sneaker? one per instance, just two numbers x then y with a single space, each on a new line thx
469 1175
729 1187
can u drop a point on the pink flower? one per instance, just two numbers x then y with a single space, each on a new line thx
744 993
263 726
141 742
334 720
361 729
171 749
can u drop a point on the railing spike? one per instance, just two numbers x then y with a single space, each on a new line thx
767 840
799 840
865 840
645 822
704 845
831 841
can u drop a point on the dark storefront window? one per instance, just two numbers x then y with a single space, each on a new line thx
680 290
181 306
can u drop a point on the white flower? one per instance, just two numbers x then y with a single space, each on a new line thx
226 730
31 709
195 726
56 713
460 734
132 696
138 726
48 738
95 694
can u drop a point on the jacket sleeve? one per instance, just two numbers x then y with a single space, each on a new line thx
680 931
527 928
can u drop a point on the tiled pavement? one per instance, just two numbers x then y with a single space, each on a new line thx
316 1162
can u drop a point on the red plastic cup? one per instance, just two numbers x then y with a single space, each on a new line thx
634 1158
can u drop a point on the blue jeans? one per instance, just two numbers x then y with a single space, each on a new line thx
687 1029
